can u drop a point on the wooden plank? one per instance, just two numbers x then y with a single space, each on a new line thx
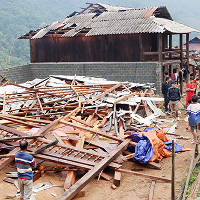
5 161
29 119
104 93
70 180
121 129
6 139
117 178
19 121
91 130
189 174
152 190
40 104
81 183
4 103
62 161
173 172
145 175
124 98
39 150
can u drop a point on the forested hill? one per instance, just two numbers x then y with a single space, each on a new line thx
20 16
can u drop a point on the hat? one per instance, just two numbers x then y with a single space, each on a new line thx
173 82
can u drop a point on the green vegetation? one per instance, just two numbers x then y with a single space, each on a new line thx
192 179
21 16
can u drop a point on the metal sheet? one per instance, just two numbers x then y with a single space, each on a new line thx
173 26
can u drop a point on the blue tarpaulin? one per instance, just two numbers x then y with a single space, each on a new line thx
168 145
143 150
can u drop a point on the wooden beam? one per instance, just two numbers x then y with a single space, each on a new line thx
104 93
39 150
91 130
152 190
181 48
81 183
145 175
19 138
160 47
187 49
117 178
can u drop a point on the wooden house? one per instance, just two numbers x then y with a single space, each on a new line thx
112 34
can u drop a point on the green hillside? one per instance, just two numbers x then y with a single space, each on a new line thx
21 16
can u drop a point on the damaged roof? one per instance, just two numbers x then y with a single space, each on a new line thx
106 20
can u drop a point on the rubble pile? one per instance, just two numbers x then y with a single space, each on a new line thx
82 123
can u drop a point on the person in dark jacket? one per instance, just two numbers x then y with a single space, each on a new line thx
165 87
174 96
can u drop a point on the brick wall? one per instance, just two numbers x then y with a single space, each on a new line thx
141 72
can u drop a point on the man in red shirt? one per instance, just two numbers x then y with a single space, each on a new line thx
190 89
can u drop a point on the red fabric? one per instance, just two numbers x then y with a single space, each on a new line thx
172 76
190 93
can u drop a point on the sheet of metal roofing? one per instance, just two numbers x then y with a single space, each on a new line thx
173 26
124 27
44 31
67 25
130 14
77 29
149 12
79 18
110 8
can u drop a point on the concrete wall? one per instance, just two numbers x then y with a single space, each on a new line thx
141 72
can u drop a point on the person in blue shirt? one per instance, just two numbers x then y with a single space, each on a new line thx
194 117
24 163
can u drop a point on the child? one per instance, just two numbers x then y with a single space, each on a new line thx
189 102
194 117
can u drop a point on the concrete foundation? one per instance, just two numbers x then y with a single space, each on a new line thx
139 72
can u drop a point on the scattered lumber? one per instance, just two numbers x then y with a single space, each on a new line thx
77 123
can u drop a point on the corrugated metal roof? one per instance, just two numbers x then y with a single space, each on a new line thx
174 27
117 22
124 27
44 31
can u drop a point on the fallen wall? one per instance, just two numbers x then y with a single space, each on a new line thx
141 72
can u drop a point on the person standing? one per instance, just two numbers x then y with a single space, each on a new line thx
166 74
194 117
190 89
24 163
165 87
174 96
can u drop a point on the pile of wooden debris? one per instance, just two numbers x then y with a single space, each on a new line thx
75 123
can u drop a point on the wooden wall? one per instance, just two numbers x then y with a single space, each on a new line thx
107 48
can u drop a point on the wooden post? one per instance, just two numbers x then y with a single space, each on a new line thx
160 47
181 59
141 47
173 170
197 145
187 54
4 103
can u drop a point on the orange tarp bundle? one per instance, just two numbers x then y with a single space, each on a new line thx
157 139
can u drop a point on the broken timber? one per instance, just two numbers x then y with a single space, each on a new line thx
80 184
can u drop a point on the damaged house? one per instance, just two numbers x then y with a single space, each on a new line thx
126 41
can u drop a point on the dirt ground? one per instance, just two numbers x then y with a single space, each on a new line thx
132 187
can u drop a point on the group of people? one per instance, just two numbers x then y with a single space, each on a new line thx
172 96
